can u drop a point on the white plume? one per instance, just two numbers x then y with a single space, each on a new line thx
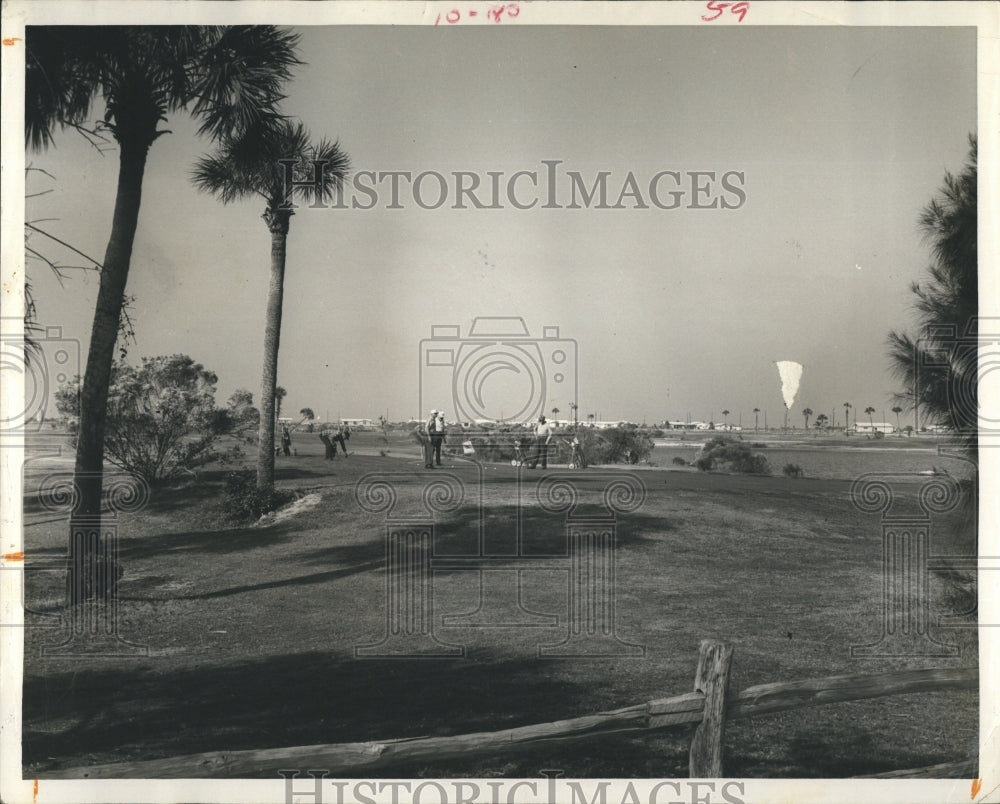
790 373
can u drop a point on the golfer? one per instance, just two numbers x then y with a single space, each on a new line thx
425 435
437 436
543 435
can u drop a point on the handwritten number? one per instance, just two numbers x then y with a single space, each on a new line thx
718 8
495 13
739 9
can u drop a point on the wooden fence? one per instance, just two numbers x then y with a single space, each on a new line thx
710 706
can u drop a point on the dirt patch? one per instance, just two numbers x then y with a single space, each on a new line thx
290 510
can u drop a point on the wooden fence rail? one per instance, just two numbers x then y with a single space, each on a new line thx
709 706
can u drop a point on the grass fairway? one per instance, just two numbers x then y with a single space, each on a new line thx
252 630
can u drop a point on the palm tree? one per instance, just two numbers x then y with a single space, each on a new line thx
870 410
279 396
254 167
555 413
943 357
725 419
897 410
821 421
756 411
847 416
590 419
307 416
230 78
806 413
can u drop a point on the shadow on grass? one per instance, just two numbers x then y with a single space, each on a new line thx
303 699
217 542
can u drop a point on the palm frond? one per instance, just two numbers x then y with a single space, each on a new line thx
240 77
62 78
255 164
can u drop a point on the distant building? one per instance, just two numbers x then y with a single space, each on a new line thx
357 423
868 428
936 428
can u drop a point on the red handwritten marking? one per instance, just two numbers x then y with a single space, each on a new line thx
34 791
739 9
12 41
977 785
13 556
495 13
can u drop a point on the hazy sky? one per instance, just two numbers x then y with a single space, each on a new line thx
841 135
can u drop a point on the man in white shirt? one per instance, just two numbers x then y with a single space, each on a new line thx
543 435
437 436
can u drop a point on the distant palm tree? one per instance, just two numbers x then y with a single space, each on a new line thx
307 416
725 419
806 413
254 167
870 410
229 78
590 419
279 396
756 411
821 421
897 410
847 416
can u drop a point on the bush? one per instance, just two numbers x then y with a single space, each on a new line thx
724 454
792 470
679 461
162 422
496 444
618 445
243 502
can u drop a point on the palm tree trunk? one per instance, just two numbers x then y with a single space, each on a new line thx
278 225
85 541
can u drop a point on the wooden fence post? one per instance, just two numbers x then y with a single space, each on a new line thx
712 679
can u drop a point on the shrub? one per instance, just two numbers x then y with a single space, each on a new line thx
792 470
244 502
496 444
618 445
162 422
724 454
679 461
